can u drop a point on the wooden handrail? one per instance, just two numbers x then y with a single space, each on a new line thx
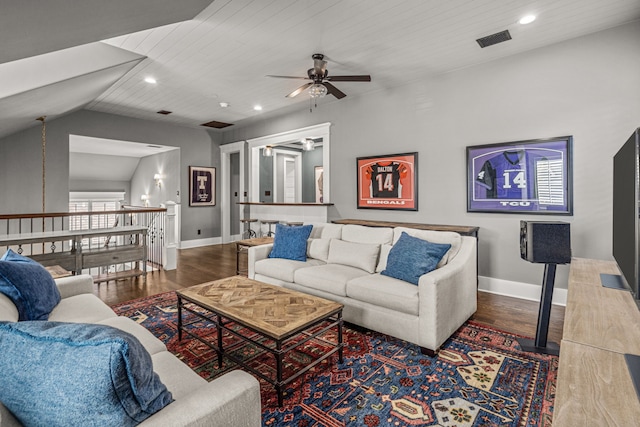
67 214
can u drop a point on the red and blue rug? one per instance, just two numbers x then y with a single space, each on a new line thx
480 377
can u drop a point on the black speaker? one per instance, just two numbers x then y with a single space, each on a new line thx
545 242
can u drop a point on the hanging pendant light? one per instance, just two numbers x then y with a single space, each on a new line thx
267 151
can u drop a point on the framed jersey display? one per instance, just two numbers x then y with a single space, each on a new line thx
202 186
388 182
521 177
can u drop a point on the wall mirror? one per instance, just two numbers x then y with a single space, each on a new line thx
291 167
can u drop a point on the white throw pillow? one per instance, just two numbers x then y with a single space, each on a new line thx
384 254
318 249
359 255
363 234
324 230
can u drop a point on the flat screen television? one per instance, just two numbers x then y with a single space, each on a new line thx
626 231
626 227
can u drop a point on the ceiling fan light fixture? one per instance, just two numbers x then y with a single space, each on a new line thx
317 90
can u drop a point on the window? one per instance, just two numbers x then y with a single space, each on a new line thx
94 202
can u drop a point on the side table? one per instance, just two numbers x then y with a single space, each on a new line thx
57 271
242 246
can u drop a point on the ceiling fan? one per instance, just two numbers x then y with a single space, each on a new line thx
320 83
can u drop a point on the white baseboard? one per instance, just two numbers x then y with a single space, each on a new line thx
519 290
196 243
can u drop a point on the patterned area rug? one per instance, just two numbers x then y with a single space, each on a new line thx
479 378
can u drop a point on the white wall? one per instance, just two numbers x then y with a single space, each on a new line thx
587 87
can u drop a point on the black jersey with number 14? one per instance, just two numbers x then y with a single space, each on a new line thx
385 180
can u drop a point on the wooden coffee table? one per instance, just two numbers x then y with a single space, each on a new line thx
287 318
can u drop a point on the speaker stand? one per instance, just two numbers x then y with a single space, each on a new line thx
540 345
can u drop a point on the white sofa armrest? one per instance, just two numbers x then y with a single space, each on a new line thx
75 285
255 254
233 400
448 296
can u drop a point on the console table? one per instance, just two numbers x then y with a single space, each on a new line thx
594 387
70 255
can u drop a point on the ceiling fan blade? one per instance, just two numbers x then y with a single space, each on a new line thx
299 90
288 77
334 90
363 78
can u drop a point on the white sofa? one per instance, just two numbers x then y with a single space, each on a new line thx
344 263
231 400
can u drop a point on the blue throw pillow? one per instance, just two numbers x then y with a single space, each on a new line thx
411 257
72 374
291 242
29 286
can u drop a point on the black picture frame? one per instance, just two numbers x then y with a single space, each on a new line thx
389 181
202 186
532 176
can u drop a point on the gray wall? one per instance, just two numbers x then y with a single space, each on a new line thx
166 164
587 87
20 152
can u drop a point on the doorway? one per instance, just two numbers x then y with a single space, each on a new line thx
230 207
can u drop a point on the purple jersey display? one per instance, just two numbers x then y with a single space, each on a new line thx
513 174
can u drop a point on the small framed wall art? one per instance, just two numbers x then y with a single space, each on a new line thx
388 182
533 177
202 186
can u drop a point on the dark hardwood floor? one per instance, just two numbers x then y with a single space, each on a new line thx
208 263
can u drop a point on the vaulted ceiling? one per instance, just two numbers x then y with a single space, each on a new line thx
225 51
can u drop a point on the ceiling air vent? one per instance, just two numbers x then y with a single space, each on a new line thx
216 125
165 112
496 38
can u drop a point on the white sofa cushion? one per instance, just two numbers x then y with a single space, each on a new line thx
360 255
152 344
331 278
83 308
323 230
179 379
454 239
364 234
384 254
318 249
282 269
385 292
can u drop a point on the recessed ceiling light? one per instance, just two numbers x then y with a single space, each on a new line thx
528 19
150 80
257 107
224 104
